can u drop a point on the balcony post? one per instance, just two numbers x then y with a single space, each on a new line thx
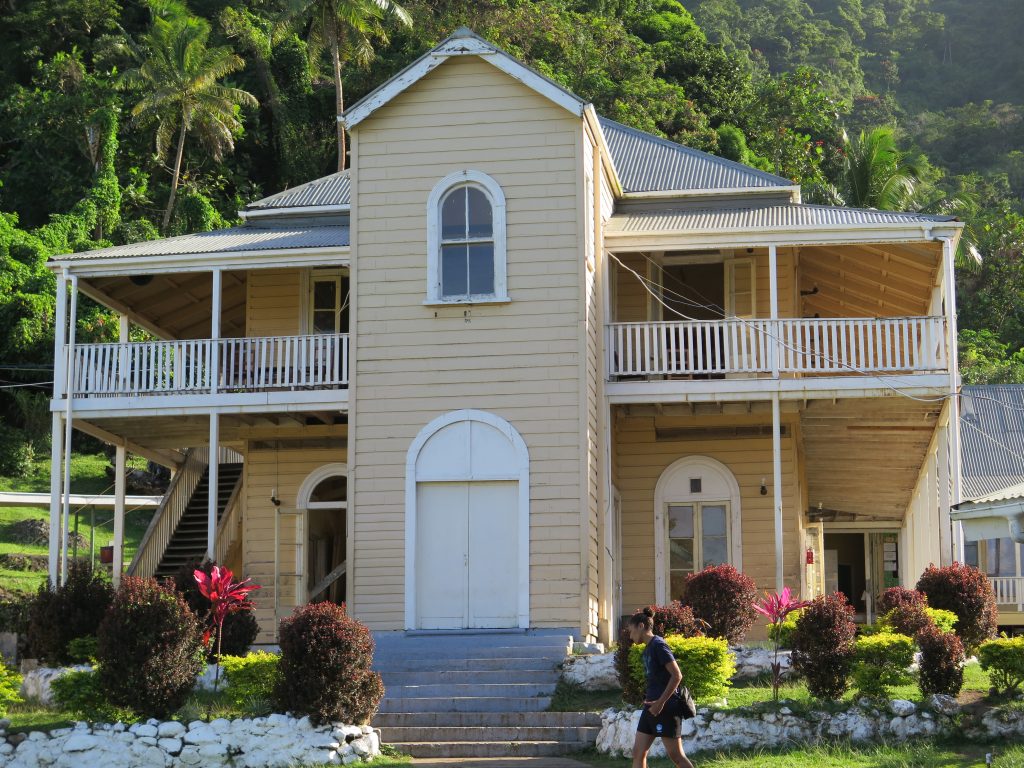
215 298
954 384
72 323
120 457
213 478
777 488
773 295
57 429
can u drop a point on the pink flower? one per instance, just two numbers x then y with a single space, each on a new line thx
776 607
225 596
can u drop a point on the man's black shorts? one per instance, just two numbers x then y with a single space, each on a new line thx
663 725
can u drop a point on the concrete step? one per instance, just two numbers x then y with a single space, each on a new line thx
489 733
461 691
440 654
466 704
491 748
548 675
426 664
487 719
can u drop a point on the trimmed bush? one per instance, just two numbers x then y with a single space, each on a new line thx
907 619
822 643
899 597
965 591
706 663
150 649
632 691
1003 659
880 663
783 633
74 609
944 620
240 627
251 679
10 688
942 661
672 619
79 693
724 598
324 670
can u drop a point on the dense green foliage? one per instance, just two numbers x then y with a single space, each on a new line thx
706 664
1003 659
880 662
251 680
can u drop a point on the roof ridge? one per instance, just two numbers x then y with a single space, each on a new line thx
304 185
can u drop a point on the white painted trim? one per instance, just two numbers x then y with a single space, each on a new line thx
520 473
663 496
621 241
793 191
491 188
592 118
297 210
780 574
117 266
314 478
213 487
225 402
460 46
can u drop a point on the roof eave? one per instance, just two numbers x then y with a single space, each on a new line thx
793 191
114 266
299 210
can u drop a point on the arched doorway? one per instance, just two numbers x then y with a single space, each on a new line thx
324 498
467 550
697 522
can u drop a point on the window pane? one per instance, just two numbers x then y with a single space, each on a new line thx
481 268
714 551
453 215
479 214
334 488
680 521
453 270
680 554
325 294
712 521
971 553
678 585
323 321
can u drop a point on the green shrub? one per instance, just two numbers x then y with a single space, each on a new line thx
783 633
74 609
150 649
10 688
1003 659
880 662
905 619
823 645
942 661
706 664
672 619
324 671
83 649
80 694
251 678
945 621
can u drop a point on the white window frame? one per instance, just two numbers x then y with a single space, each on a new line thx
324 275
492 190
698 533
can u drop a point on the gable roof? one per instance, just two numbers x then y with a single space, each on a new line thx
991 438
326 193
462 42
647 163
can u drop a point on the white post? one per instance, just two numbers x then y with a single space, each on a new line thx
57 430
119 493
777 483
869 584
72 322
773 295
945 524
214 480
954 384
215 337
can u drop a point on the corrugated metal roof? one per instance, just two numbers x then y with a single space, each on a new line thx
991 438
1002 494
329 190
244 238
773 217
647 163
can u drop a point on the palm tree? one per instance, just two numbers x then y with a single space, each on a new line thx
181 92
876 174
347 28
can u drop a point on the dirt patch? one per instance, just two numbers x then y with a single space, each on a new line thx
22 561
36 531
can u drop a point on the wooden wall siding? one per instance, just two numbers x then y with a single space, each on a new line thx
593 371
869 281
519 361
632 300
274 304
640 461
265 471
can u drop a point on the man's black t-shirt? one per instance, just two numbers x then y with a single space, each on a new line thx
656 655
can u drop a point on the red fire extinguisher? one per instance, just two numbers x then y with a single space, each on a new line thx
809 557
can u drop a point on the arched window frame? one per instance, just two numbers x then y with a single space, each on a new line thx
491 189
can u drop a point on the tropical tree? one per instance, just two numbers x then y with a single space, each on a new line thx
874 173
347 28
181 92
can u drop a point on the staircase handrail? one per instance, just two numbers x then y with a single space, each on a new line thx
227 528
167 516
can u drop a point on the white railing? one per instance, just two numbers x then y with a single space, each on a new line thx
1009 590
186 366
229 529
806 346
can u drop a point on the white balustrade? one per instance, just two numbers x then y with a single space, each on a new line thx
183 366
1009 590
805 346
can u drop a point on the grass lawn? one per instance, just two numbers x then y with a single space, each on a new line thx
88 475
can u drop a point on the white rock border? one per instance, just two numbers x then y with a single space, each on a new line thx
274 741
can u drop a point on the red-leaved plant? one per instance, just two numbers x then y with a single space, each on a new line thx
776 608
226 596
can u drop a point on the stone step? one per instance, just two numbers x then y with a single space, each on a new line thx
487 719
461 691
548 675
384 665
489 733
466 704
554 653
491 748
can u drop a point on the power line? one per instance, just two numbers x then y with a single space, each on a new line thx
28 384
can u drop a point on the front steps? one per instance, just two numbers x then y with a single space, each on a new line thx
477 695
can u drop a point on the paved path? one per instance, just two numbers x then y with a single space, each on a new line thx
503 762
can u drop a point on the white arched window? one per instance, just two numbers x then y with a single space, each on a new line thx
466 240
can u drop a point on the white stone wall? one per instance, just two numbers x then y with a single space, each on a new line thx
277 741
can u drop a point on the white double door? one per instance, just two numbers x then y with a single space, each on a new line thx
466 555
